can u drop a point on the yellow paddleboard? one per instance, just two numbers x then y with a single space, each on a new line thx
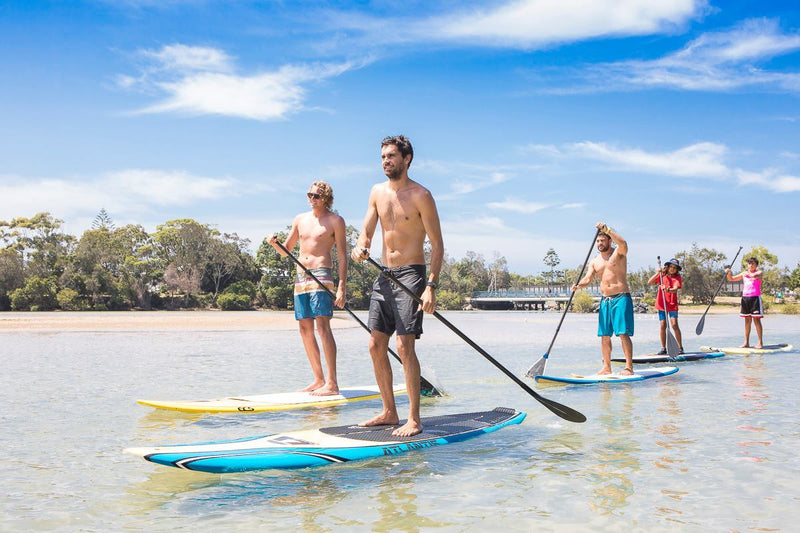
270 402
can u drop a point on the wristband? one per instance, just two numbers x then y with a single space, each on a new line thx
432 285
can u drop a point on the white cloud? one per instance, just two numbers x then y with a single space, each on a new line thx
517 206
714 61
769 179
125 192
573 206
198 80
535 23
697 160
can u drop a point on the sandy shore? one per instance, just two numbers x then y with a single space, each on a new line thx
159 320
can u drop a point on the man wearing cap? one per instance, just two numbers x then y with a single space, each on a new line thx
670 282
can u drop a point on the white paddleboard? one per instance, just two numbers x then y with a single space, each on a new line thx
270 402
768 348
638 375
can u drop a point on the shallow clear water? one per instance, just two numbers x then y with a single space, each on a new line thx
713 447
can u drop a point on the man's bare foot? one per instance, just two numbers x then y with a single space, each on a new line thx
759 346
313 386
408 429
328 390
745 345
604 371
626 372
383 419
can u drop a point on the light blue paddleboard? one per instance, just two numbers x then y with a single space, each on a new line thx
325 446
638 375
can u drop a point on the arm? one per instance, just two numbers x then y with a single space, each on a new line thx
430 221
585 280
622 244
341 254
367 229
730 277
291 239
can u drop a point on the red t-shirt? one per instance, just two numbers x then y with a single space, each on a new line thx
672 282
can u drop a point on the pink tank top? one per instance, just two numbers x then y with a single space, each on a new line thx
751 286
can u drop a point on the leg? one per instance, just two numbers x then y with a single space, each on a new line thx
312 351
605 348
331 386
406 349
747 322
759 332
673 320
378 350
662 334
627 349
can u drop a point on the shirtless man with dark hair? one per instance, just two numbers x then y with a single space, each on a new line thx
318 231
407 214
616 306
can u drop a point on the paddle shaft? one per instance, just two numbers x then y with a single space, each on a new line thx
563 411
699 329
672 342
427 386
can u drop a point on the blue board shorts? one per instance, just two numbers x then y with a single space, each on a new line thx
311 300
391 309
663 316
616 315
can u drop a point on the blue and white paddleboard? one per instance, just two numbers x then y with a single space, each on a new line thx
324 446
655 358
638 375
767 348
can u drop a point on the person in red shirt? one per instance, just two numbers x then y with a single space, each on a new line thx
671 283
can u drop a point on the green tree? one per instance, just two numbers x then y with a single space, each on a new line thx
702 271
276 286
551 260
40 241
38 294
12 275
181 246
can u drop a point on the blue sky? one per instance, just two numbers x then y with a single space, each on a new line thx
674 121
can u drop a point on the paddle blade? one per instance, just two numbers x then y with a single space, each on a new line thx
567 413
538 367
699 329
672 345
427 388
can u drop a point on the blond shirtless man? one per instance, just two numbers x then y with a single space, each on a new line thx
407 213
318 231
616 305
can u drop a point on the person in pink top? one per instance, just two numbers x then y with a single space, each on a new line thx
752 309
671 282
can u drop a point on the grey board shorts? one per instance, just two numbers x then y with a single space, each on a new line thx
390 308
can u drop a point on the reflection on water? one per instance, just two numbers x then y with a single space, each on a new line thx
755 398
616 450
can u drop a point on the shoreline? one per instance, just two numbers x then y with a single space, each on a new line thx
203 320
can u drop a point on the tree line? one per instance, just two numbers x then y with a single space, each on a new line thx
185 264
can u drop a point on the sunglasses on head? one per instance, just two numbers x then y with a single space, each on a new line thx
314 195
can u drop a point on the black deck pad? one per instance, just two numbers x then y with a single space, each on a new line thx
432 427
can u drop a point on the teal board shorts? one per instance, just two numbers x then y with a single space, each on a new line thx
616 315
